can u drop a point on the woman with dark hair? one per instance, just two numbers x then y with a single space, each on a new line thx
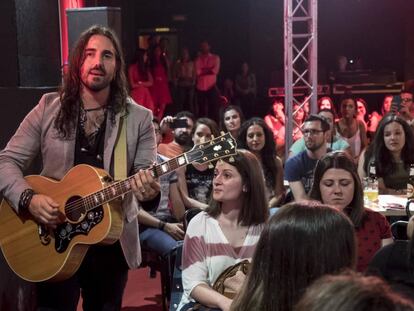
160 90
351 291
226 232
256 137
140 79
350 128
336 182
326 102
301 242
196 180
392 152
395 263
231 119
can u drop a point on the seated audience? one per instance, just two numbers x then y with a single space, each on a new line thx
196 180
392 152
406 111
334 141
350 128
326 102
226 232
299 116
336 182
257 138
354 292
375 117
181 135
362 111
299 168
301 242
395 263
231 119
160 230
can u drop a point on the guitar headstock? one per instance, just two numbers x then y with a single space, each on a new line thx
219 147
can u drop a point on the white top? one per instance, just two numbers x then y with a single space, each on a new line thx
207 253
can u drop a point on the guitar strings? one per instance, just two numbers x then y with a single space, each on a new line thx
82 203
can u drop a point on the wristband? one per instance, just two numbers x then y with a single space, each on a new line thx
25 199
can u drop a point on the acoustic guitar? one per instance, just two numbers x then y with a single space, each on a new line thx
90 200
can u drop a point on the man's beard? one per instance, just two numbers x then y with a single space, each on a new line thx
183 140
100 83
313 146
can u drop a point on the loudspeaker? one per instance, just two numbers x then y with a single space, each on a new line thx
81 19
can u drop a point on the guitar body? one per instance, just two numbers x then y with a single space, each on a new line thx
37 254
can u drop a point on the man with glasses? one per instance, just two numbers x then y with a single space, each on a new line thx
299 169
407 107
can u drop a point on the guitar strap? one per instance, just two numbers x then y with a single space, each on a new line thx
120 160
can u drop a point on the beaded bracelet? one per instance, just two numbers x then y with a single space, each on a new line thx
25 199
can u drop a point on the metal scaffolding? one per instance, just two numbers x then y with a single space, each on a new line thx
301 59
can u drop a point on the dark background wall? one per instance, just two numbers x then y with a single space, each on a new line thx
380 32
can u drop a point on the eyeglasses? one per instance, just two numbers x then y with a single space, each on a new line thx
406 100
311 132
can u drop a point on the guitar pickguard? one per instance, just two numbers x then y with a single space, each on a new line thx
65 232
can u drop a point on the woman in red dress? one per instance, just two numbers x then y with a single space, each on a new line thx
140 79
160 90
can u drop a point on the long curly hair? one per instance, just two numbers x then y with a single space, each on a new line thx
69 92
268 153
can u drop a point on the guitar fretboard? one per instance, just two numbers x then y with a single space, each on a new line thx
122 187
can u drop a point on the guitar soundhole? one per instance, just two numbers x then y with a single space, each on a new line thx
74 210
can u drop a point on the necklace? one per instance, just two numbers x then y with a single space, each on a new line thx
93 109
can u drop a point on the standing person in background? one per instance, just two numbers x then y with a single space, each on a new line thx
245 87
207 67
350 128
184 81
79 125
160 90
231 119
140 80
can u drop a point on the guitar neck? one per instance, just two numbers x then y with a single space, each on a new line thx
222 146
122 187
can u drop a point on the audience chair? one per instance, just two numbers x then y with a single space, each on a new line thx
399 230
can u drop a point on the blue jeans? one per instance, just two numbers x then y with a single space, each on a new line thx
157 240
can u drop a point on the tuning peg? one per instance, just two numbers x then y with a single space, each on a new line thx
212 136
203 139
231 159
210 165
222 133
